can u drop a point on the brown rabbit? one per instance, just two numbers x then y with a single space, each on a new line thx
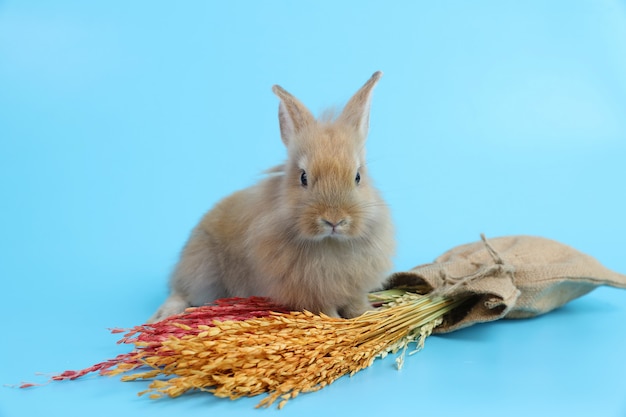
314 235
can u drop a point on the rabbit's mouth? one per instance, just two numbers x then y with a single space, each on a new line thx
334 228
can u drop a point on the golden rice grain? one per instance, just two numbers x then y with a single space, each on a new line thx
285 354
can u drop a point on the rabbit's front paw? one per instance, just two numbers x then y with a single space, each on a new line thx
175 304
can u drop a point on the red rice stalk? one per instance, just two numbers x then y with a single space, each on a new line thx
147 338
247 347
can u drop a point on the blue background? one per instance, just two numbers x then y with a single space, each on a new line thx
121 123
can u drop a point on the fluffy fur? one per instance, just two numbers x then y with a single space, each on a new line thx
315 235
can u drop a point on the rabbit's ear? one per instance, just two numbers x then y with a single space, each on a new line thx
357 112
293 116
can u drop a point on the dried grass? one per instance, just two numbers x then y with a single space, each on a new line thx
282 354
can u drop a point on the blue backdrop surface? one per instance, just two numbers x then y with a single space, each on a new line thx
121 123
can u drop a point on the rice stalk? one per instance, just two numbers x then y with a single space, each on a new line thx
284 354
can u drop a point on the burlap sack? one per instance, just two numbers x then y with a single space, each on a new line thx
507 277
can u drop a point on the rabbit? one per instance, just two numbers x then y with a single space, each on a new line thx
313 235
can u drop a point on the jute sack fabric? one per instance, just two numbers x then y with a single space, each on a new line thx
507 277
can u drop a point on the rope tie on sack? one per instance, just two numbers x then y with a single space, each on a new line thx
497 269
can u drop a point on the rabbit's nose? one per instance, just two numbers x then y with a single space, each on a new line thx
334 226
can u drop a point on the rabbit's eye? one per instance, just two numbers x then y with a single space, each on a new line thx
358 178
303 179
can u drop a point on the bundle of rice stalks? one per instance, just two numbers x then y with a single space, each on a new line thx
275 352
